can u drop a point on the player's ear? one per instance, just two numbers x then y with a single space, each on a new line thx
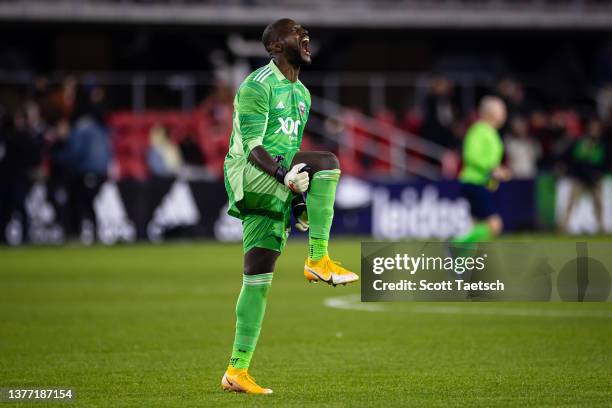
275 47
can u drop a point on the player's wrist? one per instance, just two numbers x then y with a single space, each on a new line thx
280 174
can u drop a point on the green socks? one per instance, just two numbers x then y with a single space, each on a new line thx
317 248
320 204
250 310
479 233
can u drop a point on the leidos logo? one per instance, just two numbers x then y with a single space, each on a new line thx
288 126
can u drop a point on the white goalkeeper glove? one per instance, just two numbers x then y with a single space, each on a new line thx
296 179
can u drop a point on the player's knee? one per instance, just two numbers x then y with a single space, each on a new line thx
258 261
259 267
496 225
329 161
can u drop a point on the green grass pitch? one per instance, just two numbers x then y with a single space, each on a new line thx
152 326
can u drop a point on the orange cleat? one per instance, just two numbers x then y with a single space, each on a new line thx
239 380
328 271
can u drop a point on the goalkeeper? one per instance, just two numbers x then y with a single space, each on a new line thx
264 173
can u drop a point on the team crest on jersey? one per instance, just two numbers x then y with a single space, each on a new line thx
302 107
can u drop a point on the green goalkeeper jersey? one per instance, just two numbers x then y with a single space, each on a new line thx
271 111
483 151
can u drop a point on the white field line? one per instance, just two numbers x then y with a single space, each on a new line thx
352 302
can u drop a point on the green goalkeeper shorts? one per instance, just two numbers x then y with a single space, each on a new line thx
260 231
265 210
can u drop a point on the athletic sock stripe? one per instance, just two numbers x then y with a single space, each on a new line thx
257 283
265 76
261 73
259 276
257 280
327 172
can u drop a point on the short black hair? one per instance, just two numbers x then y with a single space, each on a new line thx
271 32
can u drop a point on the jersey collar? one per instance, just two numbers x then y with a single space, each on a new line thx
279 75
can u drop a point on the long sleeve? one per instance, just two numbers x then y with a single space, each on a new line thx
252 114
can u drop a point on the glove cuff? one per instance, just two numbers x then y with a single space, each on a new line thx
280 174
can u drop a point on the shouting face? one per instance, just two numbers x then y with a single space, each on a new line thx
297 45
289 38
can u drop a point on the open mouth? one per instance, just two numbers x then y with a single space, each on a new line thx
305 46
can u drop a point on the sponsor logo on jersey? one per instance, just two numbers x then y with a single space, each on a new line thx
288 126
280 105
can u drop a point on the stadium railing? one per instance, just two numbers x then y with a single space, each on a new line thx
395 144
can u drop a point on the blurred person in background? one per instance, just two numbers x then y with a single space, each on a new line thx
522 150
439 114
564 127
604 102
215 113
217 107
190 151
585 163
89 154
538 125
513 95
60 101
482 170
59 170
552 131
57 103
163 156
20 156
90 102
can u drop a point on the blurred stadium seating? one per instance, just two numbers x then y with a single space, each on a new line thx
339 13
